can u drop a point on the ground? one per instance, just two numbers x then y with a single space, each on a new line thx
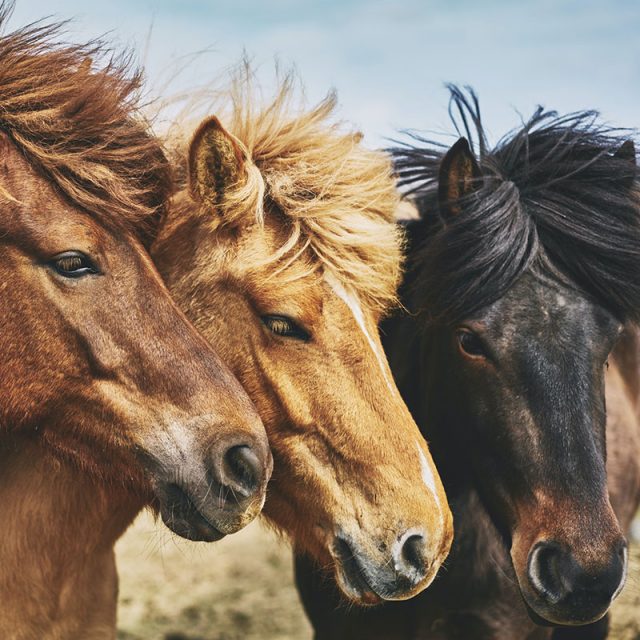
240 588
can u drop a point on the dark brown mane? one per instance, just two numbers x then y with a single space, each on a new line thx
557 199
73 111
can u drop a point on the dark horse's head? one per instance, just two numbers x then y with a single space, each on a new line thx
527 268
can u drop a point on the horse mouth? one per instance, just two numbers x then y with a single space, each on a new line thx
352 576
180 513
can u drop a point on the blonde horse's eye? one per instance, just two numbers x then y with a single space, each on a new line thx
73 264
285 327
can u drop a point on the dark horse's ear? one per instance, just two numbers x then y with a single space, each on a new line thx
627 152
216 163
459 176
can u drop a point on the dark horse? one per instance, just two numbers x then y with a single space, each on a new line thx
523 283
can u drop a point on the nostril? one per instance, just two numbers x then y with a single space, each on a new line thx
413 552
242 470
410 556
544 571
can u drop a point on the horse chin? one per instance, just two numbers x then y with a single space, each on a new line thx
544 616
355 586
180 514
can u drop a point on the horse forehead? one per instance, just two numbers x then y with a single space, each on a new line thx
531 302
534 318
35 213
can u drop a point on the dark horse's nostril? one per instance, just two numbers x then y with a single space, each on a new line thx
410 557
545 572
242 470
560 580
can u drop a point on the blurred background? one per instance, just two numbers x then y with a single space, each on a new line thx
388 61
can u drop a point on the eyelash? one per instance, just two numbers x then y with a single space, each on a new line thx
285 327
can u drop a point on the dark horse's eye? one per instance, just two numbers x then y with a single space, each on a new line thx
284 326
73 264
470 343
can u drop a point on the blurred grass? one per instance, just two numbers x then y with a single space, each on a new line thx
241 588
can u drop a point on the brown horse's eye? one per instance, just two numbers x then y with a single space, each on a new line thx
73 264
285 327
470 343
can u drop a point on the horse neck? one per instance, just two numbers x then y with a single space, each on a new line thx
58 530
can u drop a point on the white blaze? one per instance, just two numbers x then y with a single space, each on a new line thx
428 477
351 300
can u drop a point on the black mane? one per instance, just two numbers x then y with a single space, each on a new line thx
554 199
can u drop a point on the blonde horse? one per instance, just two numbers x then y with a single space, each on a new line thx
282 249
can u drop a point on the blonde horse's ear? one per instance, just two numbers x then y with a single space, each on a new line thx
216 163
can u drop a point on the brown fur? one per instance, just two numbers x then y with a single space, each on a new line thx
83 130
102 406
310 214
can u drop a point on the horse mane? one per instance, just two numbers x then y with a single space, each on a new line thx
554 200
72 110
336 198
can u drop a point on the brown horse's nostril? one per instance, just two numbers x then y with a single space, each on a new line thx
410 556
242 470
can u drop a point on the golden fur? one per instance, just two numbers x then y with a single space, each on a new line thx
285 216
338 197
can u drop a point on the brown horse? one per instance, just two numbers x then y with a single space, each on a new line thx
110 399
520 362
283 251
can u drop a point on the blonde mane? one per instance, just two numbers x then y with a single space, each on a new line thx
77 121
337 197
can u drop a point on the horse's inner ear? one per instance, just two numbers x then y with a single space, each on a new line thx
216 163
459 175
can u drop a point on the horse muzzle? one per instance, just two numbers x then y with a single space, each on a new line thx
400 573
207 499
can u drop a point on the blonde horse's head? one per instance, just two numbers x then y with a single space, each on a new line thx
282 249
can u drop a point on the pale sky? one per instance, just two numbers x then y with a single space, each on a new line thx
389 60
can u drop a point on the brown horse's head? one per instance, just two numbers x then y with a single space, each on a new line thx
96 361
284 255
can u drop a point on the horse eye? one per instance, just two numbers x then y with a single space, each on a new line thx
285 327
470 343
73 264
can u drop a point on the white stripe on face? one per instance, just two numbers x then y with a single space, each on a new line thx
351 300
428 477
354 306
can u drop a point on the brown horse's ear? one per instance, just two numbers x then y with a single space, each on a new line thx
627 152
85 66
459 176
216 163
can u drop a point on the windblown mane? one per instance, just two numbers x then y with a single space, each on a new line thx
554 199
337 197
79 125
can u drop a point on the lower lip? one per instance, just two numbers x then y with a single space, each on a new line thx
193 526
354 580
